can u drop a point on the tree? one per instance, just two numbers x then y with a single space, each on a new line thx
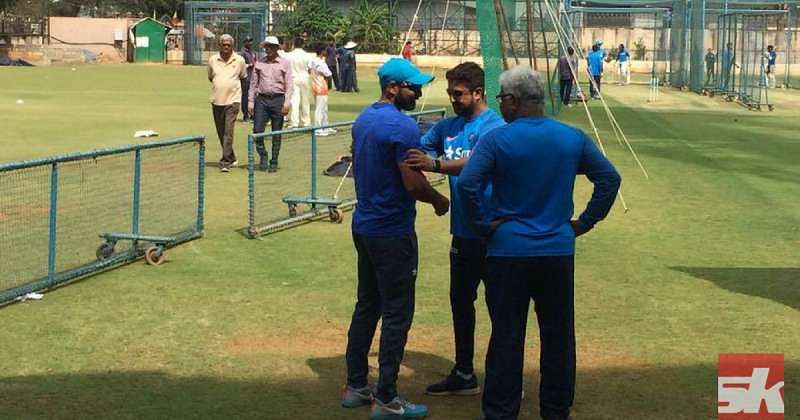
313 19
370 25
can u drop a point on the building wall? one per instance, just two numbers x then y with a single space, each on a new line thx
106 36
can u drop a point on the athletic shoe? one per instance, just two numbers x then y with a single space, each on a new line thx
322 133
397 409
273 167
224 169
235 164
454 384
352 397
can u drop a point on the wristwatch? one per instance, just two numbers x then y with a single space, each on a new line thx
437 165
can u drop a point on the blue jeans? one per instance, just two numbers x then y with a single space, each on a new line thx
387 274
268 108
511 283
467 268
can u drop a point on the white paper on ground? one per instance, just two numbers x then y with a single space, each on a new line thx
31 296
145 133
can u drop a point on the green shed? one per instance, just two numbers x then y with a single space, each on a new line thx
149 39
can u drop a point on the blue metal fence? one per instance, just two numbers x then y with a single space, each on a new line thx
271 209
57 214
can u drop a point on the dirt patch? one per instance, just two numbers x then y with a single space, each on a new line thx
320 339
329 339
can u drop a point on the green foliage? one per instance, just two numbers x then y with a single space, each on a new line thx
314 20
639 49
368 23
370 27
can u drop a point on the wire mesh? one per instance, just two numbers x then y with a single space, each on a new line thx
53 211
24 208
206 21
301 178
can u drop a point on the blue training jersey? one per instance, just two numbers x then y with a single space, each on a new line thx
595 60
382 137
455 138
623 56
532 163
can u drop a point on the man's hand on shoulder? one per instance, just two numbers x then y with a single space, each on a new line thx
419 160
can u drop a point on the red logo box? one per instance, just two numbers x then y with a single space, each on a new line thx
750 386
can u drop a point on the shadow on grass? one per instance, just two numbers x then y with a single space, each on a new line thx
663 392
779 284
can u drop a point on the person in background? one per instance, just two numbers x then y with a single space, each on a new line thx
567 65
300 113
408 51
728 63
711 61
270 90
319 88
249 59
226 70
347 60
595 63
333 64
532 162
771 57
623 61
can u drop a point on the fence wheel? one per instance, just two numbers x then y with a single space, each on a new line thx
154 255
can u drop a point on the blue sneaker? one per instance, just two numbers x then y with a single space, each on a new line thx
397 409
352 397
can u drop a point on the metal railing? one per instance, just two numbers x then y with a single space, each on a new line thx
54 212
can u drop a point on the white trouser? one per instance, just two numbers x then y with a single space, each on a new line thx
321 111
301 105
771 77
624 72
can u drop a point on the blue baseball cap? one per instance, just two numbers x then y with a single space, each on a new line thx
401 70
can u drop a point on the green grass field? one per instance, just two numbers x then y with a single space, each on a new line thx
706 261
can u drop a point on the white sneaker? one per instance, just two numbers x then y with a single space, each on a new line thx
235 164
322 133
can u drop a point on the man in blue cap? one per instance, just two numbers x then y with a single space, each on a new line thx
385 241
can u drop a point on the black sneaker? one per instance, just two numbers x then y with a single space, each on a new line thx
273 167
263 165
454 384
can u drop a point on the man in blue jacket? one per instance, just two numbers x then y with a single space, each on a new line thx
453 139
385 239
532 164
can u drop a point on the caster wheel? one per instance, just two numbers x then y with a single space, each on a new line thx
104 251
335 215
292 210
154 255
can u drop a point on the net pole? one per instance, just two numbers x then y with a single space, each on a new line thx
546 58
531 49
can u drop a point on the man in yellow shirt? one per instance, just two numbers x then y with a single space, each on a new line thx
225 72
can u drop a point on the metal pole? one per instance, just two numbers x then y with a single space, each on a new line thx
51 246
547 59
313 165
201 185
137 187
531 49
251 184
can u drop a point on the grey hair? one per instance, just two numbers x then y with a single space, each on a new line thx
525 84
226 37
